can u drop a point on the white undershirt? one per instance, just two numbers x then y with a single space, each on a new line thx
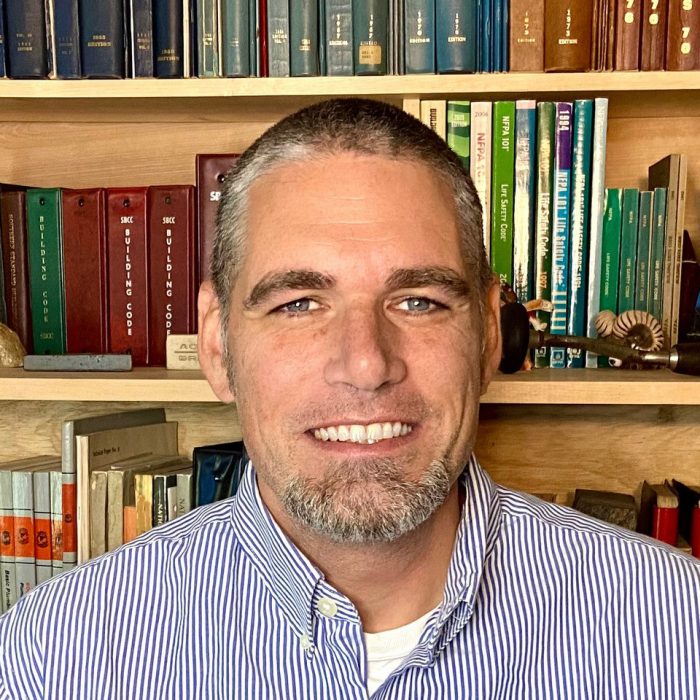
387 650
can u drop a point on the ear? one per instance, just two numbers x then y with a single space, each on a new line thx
491 355
209 342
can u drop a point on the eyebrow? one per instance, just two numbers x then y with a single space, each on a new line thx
277 282
430 276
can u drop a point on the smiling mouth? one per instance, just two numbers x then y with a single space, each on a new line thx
362 434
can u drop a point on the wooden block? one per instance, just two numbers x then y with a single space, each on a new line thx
182 352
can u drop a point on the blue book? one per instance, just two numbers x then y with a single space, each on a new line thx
235 39
140 22
208 39
370 28
580 215
303 38
102 38
67 39
560 226
419 36
278 51
485 23
338 44
25 35
505 35
496 35
643 276
524 199
168 39
456 34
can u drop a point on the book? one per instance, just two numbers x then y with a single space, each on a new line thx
67 38
683 35
69 430
99 449
497 36
338 37
458 129
568 35
627 34
3 43
211 170
597 214
579 222
527 36
610 250
433 114
658 512
456 31
643 257
546 116
656 260
85 270
25 37
56 479
615 508
217 471
561 226
172 267
41 498
653 50
524 198
420 33
370 24
184 492
24 533
503 164
688 513
45 259
235 38
102 48
208 39
484 43
628 249
140 15
13 240
278 38
168 39
127 253
303 38
480 163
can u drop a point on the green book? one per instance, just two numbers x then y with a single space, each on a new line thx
628 249
610 251
656 258
458 129
642 286
45 248
546 112
502 185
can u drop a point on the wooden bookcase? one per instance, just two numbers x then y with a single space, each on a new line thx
545 431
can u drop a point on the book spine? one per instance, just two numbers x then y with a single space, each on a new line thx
419 31
580 215
524 198
42 525
261 47
56 478
184 493
45 249
597 201
322 42
656 264
3 43
168 39
560 227
303 32
502 189
23 508
627 35
98 513
143 488
370 25
505 35
654 18
25 34
664 525
278 38
568 36
171 496
69 496
455 36
527 36
610 250
172 266
141 35
159 513
339 51
102 39
695 532
643 258
678 246
67 39
485 64
458 128
127 254
628 250
208 64
546 116
683 44
13 236
235 39
85 270
496 15
8 580
433 114
480 163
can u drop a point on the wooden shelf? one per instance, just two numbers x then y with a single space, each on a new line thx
390 85
585 387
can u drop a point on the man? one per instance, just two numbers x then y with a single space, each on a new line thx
353 318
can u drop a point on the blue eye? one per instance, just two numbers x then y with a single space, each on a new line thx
418 305
298 306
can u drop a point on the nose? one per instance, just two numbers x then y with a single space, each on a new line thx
366 352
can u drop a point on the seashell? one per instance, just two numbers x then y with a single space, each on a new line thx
640 329
604 323
12 351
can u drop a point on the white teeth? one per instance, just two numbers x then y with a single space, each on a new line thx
374 433
387 431
404 429
343 433
362 434
317 434
324 434
332 433
396 429
358 433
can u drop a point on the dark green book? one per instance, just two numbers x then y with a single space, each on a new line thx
458 129
45 248
303 38
370 26
502 185
642 285
610 250
546 112
628 249
338 37
419 36
656 261
208 39
235 40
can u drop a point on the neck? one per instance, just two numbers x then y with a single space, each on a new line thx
390 584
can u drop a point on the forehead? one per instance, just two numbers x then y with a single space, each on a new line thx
350 209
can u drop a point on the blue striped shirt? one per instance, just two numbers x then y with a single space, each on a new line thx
540 602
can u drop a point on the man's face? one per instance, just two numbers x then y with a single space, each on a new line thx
355 345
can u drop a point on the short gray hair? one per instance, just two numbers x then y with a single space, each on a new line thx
361 126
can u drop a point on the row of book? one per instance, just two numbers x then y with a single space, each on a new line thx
241 38
539 170
118 476
107 270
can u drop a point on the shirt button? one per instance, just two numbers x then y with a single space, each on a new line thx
327 607
305 642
